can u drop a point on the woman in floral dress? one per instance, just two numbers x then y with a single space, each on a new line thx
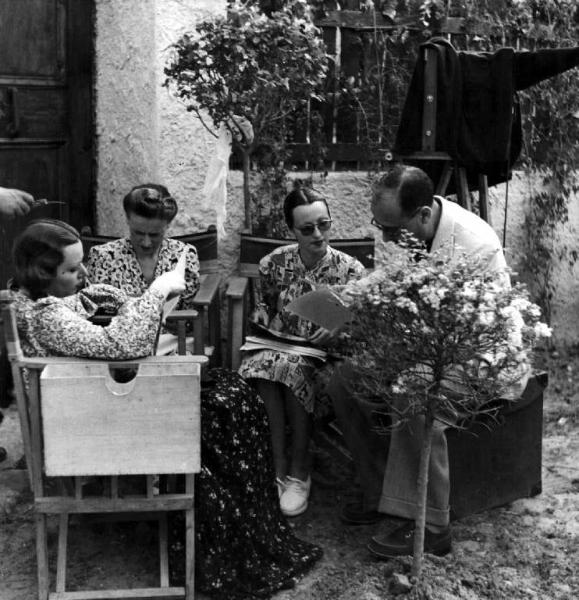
244 547
288 383
132 263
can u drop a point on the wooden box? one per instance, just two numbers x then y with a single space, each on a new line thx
93 425
495 463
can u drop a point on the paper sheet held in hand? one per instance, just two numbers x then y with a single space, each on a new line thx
172 302
321 307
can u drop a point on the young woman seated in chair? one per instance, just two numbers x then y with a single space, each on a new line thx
289 383
132 263
243 543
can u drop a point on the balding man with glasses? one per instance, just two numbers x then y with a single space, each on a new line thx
403 200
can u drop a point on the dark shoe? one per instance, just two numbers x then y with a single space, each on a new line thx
354 514
400 542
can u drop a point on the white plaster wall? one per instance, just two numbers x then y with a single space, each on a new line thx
185 146
145 134
126 104
565 303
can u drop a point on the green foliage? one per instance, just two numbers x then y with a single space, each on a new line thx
251 65
265 69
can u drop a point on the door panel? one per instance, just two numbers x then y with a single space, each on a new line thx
32 112
46 120
36 28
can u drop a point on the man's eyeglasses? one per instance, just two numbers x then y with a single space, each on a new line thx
394 228
309 229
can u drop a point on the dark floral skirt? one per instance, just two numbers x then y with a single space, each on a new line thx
244 548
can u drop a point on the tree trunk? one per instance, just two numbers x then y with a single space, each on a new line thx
246 192
421 492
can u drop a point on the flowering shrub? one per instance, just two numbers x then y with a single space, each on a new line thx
438 335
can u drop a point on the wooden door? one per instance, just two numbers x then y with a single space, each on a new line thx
46 121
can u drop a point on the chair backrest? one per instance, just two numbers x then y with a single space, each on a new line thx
205 243
254 248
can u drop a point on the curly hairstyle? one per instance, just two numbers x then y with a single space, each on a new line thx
152 201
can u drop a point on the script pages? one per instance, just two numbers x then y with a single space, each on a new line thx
321 307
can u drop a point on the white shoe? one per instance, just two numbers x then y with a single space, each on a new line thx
294 500
281 485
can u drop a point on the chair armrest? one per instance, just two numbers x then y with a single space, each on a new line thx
236 293
181 318
237 287
181 315
208 289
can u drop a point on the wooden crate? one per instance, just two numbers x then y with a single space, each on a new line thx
496 463
93 425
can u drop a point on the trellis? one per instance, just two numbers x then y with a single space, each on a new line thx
365 44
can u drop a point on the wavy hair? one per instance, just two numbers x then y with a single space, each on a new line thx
37 254
152 201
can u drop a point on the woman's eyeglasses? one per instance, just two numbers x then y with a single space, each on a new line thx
309 229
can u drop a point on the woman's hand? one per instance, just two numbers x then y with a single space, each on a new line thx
324 337
169 284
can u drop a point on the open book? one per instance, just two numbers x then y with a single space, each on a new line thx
262 338
255 342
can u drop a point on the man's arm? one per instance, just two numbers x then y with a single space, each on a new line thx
14 203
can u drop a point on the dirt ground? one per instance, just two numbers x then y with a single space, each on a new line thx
528 549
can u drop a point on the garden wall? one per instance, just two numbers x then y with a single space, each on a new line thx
145 134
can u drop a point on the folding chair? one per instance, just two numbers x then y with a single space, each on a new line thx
207 301
78 421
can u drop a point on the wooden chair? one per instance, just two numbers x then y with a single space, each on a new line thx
207 301
242 288
77 421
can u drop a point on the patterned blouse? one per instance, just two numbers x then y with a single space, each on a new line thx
60 327
284 277
116 263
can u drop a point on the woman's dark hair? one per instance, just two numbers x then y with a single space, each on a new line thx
299 197
37 253
413 186
152 201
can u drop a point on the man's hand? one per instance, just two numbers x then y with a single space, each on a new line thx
14 203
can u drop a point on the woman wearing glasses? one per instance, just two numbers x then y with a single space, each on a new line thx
288 383
132 263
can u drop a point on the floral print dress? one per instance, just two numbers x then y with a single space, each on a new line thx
284 277
245 548
116 263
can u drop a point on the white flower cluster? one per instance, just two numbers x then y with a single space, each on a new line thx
446 313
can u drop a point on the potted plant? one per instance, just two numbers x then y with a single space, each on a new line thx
435 334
